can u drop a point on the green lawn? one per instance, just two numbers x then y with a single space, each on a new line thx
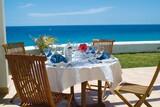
138 59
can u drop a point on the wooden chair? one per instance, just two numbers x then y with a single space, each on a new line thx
31 81
102 45
142 92
14 48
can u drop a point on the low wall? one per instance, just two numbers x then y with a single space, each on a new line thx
136 46
119 47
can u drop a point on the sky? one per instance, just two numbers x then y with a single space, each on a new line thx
81 12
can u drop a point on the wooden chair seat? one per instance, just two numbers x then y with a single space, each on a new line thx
132 88
142 92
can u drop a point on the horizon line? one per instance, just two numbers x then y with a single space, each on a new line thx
80 25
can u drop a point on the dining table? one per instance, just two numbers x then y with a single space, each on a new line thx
64 75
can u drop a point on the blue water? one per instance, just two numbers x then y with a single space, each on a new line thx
85 33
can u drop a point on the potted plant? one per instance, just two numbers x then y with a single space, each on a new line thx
44 42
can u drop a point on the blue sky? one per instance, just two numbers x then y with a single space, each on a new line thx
81 12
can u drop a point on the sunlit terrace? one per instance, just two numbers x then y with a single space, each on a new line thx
133 75
90 75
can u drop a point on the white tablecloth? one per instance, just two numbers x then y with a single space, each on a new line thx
62 77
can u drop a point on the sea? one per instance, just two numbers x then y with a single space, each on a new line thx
83 33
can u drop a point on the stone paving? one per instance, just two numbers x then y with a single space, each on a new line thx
134 75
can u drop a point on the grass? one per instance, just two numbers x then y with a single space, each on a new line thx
133 60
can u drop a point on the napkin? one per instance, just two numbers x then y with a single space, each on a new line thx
104 55
57 58
48 52
92 49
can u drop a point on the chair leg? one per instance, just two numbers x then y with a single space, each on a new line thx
145 102
124 100
69 101
104 90
72 92
88 85
139 103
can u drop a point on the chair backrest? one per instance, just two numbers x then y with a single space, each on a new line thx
101 45
153 79
14 48
30 79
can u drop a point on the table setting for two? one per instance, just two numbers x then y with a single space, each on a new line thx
81 55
